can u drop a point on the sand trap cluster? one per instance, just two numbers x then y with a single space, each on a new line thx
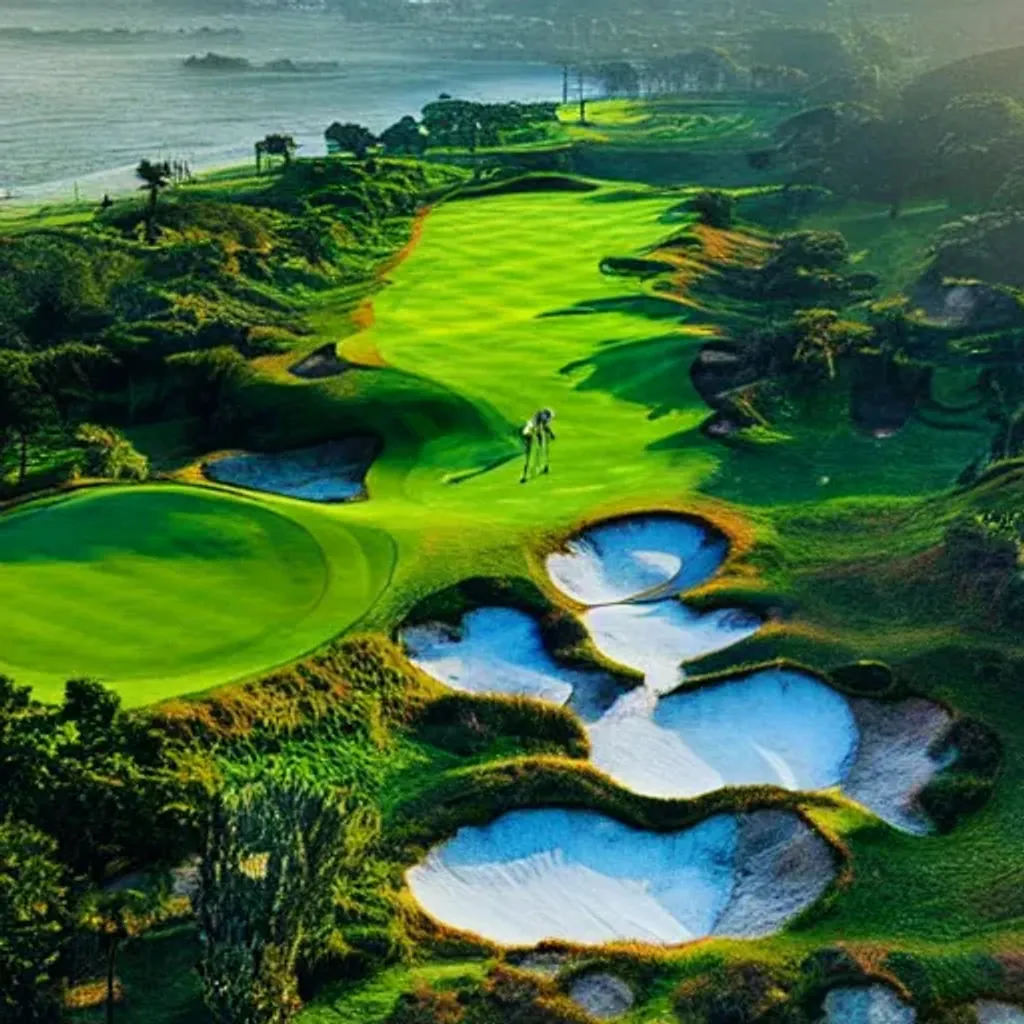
872 1004
775 727
333 472
990 1012
582 877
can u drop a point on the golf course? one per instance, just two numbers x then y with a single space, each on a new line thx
699 700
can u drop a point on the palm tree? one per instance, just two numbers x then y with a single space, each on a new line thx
154 178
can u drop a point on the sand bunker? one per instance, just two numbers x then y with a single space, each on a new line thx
642 558
324 362
990 1012
332 472
874 1004
778 727
582 877
894 758
499 651
603 996
657 638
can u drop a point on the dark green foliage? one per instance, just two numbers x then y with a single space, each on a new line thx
865 678
58 287
733 994
425 1005
404 138
988 246
716 209
535 182
468 725
278 856
631 266
966 786
24 407
95 778
208 383
350 138
997 71
108 454
34 916
465 125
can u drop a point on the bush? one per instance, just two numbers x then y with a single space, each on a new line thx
427 1006
716 209
736 994
466 725
107 454
864 678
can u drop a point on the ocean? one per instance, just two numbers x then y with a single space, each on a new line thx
89 88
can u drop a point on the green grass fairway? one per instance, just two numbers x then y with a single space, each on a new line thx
163 590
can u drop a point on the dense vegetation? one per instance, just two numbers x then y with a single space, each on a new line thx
238 856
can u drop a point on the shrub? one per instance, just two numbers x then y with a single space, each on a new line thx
108 454
465 725
627 266
867 678
425 1005
735 994
715 208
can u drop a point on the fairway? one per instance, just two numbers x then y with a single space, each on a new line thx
163 590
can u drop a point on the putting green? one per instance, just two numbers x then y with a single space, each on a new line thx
160 590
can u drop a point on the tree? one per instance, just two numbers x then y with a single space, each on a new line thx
108 454
119 916
24 409
276 144
715 208
405 136
33 924
69 374
209 381
96 779
351 138
619 78
278 854
822 337
155 177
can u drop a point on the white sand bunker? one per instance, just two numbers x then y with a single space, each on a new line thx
603 996
641 558
332 472
580 877
872 1004
500 651
895 759
777 727
990 1012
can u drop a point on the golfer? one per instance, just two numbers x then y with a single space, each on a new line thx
537 437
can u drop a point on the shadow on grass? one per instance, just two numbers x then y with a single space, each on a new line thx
653 372
647 306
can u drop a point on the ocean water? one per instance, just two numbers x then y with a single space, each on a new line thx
89 88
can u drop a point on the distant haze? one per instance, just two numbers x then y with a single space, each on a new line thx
82 103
